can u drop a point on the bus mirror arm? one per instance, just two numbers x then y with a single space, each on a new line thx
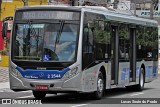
4 30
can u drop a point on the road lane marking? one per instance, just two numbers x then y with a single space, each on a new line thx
79 105
136 94
9 90
31 96
26 96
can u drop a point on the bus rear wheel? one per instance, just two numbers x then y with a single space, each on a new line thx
140 86
39 94
100 87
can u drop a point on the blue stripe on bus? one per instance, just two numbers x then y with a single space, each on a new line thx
155 74
149 71
125 74
137 72
42 74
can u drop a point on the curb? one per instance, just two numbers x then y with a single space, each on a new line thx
4 85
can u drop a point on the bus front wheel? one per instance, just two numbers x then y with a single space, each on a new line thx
39 94
100 87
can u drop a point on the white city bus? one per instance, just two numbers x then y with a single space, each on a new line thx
86 49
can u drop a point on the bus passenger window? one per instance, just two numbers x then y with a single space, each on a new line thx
124 44
88 40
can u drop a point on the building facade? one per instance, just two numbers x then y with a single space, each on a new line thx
8 8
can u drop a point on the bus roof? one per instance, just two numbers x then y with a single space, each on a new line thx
110 14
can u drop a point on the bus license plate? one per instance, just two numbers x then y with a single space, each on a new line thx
41 87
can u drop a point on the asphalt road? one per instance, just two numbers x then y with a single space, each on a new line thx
152 90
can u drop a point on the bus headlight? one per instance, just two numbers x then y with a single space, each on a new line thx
73 72
16 72
19 74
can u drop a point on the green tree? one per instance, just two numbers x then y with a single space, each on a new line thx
101 36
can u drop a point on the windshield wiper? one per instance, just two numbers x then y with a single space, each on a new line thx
33 32
58 36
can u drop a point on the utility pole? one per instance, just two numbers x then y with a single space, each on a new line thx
25 2
115 3
76 2
72 2
151 9
135 8
154 4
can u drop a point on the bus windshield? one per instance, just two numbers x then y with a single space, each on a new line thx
46 40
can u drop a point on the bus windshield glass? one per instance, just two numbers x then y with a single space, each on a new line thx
45 39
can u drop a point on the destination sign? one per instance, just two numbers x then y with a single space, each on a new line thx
50 15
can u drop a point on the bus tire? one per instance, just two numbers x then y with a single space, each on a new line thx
140 86
129 88
98 94
39 94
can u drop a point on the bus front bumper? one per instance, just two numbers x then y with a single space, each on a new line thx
58 85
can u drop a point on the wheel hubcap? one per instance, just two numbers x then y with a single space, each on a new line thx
100 85
142 80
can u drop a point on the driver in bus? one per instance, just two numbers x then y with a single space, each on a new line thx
62 50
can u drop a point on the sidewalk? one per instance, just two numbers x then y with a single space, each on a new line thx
4 78
4 74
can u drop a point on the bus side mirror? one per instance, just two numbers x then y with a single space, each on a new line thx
4 30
